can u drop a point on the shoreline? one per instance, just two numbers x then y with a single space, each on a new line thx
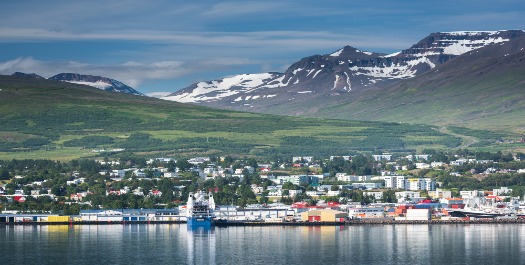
226 224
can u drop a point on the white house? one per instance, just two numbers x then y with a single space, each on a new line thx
378 195
275 192
293 193
404 196
503 191
386 157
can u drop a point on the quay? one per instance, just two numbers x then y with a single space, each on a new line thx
252 223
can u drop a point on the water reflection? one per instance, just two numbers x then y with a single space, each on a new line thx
201 245
163 244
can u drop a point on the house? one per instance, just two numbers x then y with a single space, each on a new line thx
436 164
439 194
503 191
155 193
170 174
367 186
333 193
20 198
117 173
457 163
378 195
404 196
275 192
386 157
139 173
138 191
417 157
346 158
75 181
257 189
293 193
307 159
422 165
315 193
198 160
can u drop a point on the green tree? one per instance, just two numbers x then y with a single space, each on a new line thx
183 165
4 174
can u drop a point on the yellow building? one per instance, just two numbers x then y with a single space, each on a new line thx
324 215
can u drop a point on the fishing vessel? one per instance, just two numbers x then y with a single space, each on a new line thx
483 207
200 210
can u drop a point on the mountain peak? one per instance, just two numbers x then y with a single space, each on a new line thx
32 75
349 52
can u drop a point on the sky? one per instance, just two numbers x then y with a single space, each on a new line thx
161 46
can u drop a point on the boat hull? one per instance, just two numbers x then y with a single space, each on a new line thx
196 222
474 213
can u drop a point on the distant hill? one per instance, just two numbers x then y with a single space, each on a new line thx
103 83
437 81
33 75
43 118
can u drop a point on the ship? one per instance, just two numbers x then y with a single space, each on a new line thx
480 207
200 210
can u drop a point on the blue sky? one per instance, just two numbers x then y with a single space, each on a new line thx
163 46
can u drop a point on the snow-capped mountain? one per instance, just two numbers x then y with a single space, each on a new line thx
345 71
100 82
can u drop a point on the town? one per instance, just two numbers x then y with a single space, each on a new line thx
432 185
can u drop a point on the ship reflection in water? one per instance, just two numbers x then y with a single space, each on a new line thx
201 245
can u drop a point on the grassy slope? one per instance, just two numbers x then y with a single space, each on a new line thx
59 112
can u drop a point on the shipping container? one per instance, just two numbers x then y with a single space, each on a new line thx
57 219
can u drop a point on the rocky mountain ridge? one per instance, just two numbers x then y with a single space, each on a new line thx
347 71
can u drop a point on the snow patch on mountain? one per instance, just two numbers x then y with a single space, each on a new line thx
218 89
393 71
459 47
337 53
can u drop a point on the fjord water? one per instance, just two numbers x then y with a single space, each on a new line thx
174 244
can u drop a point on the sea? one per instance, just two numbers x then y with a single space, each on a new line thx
175 244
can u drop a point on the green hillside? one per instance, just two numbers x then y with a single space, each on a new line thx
57 120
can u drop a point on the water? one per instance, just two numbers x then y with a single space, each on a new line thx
174 244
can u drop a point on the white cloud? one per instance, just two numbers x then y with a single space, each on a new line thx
158 94
131 73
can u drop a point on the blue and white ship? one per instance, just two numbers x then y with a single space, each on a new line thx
200 210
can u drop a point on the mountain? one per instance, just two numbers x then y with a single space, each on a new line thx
482 88
51 119
100 82
331 85
24 75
